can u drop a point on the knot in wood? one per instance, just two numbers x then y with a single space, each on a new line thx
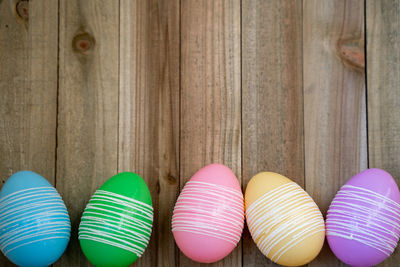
22 9
351 51
82 42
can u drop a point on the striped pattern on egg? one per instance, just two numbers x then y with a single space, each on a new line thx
283 220
209 214
99 219
116 224
363 221
34 222
225 227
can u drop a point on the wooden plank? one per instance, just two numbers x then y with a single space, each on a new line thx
210 93
88 107
272 97
383 83
334 100
149 112
28 86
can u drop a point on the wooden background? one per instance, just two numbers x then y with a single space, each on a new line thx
163 87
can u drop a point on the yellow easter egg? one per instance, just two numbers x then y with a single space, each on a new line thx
284 221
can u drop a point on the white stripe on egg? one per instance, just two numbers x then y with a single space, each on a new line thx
290 212
101 224
22 210
369 210
211 219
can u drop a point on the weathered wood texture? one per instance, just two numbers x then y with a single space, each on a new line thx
383 83
88 107
28 88
334 101
210 93
162 88
272 96
149 112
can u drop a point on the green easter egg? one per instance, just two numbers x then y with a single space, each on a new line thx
116 224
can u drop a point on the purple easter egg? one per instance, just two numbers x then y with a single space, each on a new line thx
363 221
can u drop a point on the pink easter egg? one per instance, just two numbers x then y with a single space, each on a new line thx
208 217
363 221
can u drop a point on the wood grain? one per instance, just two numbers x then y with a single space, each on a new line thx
88 107
210 93
163 88
383 83
28 89
272 97
334 102
149 112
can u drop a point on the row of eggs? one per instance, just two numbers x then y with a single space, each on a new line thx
362 226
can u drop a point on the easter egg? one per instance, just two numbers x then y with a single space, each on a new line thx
283 220
208 217
34 223
363 221
116 224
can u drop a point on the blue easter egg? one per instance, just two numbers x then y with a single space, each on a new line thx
34 222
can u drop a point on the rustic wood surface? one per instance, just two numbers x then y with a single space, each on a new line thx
28 89
306 88
334 101
149 112
383 84
87 140
272 95
210 94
